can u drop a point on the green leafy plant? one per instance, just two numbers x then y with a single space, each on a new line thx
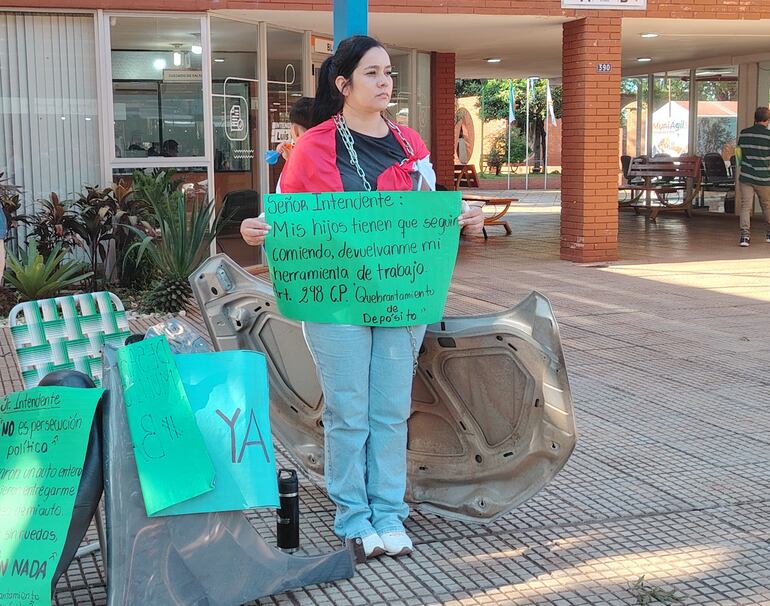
131 212
498 155
646 593
183 243
38 277
156 187
55 223
96 208
10 203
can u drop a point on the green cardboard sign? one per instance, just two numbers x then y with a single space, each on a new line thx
228 392
366 258
43 440
171 457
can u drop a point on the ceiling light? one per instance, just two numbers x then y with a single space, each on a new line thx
649 35
219 60
196 49
177 59
644 59
493 60
159 64
88 119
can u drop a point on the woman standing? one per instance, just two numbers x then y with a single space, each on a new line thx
365 372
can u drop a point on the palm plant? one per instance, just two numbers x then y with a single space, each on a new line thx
36 277
181 247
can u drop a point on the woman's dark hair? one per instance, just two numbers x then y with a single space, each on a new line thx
328 99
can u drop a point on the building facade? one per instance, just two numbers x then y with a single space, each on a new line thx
91 90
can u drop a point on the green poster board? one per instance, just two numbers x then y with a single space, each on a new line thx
228 392
364 258
43 439
171 457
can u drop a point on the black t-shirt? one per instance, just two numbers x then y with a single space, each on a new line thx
375 155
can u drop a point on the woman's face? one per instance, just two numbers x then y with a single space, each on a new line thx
371 85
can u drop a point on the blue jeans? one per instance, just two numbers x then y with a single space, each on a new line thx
366 376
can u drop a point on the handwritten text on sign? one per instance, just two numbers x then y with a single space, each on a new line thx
228 392
43 440
171 456
365 258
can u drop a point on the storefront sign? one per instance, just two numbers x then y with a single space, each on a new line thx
236 118
43 444
323 45
608 4
182 75
366 258
281 132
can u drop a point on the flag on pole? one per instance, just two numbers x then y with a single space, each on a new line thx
511 113
549 102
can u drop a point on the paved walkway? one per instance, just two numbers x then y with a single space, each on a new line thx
668 355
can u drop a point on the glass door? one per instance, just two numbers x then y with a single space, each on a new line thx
235 103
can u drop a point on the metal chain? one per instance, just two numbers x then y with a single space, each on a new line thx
347 139
407 145
415 351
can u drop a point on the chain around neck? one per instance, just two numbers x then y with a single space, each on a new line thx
347 139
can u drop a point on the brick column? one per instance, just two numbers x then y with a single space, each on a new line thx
590 148
442 124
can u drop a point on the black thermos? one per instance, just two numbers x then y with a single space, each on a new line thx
287 526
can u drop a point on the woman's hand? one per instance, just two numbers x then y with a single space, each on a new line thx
253 231
472 220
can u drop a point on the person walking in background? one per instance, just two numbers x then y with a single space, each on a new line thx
365 371
754 153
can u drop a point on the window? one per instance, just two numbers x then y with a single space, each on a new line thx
671 114
717 117
49 136
633 116
284 87
157 86
422 121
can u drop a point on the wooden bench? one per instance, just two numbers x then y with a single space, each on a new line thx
465 176
666 178
501 206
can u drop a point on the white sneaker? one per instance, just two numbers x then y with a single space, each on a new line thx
366 548
397 543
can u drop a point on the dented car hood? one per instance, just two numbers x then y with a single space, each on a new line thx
492 418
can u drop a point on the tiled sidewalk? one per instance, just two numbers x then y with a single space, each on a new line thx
669 361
